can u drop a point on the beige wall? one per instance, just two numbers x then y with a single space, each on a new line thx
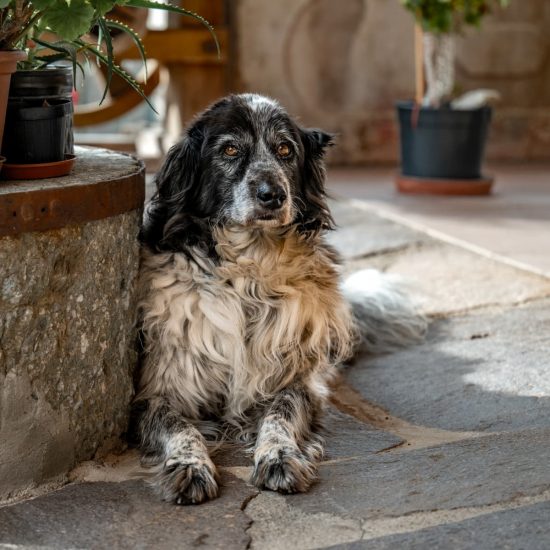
341 65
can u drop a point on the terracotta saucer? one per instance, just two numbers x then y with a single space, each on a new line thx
437 186
38 171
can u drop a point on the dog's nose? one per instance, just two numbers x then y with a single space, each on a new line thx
271 196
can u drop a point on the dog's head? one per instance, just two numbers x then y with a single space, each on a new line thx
243 161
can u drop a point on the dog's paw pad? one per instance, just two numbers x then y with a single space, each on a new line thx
289 471
185 483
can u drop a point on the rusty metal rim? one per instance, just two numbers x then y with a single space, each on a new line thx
46 209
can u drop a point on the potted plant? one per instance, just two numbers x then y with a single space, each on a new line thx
12 20
54 31
40 115
443 139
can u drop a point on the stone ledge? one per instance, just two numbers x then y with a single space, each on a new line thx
67 302
102 184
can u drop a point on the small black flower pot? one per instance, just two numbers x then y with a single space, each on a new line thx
442 143
52 83
36 131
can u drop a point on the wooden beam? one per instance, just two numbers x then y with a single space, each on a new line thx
188 45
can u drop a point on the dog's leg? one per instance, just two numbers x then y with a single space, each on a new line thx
186 473
288 446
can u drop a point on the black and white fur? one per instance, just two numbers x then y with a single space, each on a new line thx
242 315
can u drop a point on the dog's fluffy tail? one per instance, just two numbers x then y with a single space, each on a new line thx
385 316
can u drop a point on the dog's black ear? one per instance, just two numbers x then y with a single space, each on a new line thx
315 214
178 172
318 140
171 206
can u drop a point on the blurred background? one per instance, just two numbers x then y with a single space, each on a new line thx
342 66
337 65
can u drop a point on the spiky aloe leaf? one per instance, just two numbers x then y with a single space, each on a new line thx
151 4
114 24
66 49
119 71
106 35
46 60
61 46
51 58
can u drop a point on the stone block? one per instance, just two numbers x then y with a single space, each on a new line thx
526 527
449 279
484 372
67 334
126 515
469 473
363 233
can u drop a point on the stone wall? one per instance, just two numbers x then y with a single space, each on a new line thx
342 65
67 339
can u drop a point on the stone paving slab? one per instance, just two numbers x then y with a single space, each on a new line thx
382 491
361 233
346 437
483 372
450 279
102 514
469 473
526 527
127 515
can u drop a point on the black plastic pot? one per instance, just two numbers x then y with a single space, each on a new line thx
53 84
442 143
36 131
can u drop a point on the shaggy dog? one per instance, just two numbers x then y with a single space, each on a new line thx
242 315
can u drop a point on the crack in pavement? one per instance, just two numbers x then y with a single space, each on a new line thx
486 308
244 506
416 521
349 401
271 511
383 252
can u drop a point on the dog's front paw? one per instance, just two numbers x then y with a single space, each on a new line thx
283 468
186 482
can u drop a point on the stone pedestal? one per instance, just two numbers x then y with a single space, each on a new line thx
68 262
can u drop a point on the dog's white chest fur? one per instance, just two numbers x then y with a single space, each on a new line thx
222 335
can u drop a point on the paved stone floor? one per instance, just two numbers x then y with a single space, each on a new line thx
442 445
513 221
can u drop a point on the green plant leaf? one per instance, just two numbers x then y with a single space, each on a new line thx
103 6
119 71
41 5
151 4
69 20
67 50
4 3
443 16
61 46
113 24
110 55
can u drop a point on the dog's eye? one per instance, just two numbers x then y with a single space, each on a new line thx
231 151
283 150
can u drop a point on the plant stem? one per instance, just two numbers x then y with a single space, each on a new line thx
439 61
418 63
